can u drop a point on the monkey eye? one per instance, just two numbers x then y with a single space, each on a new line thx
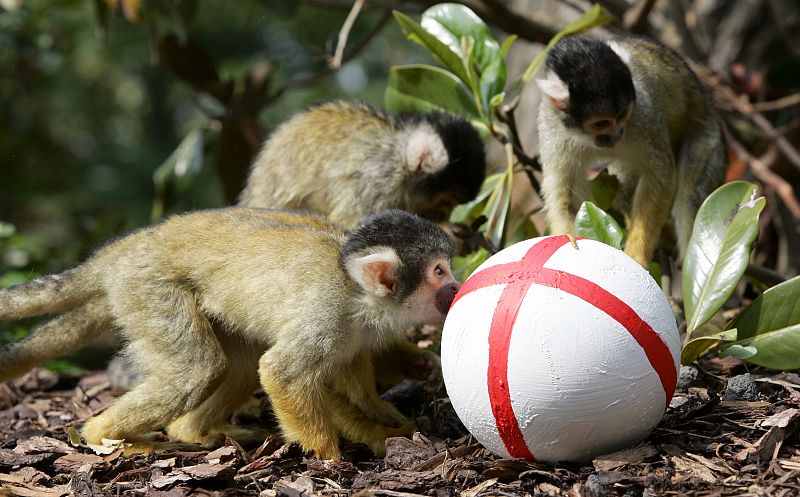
601 124
438 271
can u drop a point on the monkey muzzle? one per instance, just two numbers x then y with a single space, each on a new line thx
445 295
608 140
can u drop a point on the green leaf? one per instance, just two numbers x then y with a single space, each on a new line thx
466 265
522 228
592 222
176 174
774 309
695 347
603 190
425 88
776 349
451 23
469 211
449 58
593 18
73 436
469 37
506 46
740 351
493 80
497 209
771 326
719 249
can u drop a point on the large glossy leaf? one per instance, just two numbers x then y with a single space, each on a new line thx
769 328
452 23
592 222
596 16
425 88
719 249
468 36
452 60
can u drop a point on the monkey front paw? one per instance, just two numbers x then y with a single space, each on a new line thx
98 428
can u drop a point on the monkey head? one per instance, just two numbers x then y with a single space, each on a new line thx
590 88
401 262
446 163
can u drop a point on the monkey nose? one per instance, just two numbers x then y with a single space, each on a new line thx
445 295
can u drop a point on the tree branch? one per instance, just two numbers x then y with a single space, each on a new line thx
336 62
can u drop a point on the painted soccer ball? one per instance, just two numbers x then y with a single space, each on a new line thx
555 354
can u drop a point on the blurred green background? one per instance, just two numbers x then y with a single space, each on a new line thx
91 106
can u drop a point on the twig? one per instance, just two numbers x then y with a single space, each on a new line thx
336 62
728 97
357 49
781 103
635 18
762 171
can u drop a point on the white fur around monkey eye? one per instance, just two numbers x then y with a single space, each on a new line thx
425 152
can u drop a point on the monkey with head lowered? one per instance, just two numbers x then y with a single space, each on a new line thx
348 160
212 303
635 105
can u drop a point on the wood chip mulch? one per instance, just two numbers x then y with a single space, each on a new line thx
725 434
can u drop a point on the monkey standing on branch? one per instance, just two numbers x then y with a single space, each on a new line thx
347 161
635 105
213 302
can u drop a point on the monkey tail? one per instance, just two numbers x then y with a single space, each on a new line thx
55 338
48 294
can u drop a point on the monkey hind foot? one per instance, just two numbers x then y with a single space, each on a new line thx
184 431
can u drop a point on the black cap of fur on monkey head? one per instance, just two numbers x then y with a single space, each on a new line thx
415 240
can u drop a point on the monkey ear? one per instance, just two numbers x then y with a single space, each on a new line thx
425 152
555 91
375 272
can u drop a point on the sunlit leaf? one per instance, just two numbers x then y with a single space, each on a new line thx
719 249
695 347
451 22
446 56
425 88
592 222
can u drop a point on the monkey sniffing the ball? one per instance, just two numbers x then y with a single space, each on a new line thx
212 303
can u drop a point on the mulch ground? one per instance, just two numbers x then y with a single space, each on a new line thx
726 433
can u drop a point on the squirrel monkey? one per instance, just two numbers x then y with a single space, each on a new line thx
347 161
635 105
212 303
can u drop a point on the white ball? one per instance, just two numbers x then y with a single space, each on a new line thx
557 354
